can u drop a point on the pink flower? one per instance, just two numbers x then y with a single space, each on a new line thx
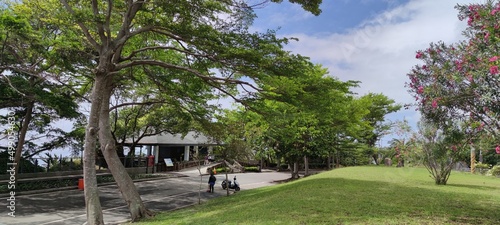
424 67
454 148
420 90
480 128
470 78
497 149
487 36
494 58
419 55
434 103
459 65
494 70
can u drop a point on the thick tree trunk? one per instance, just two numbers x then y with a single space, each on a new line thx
375 159
337 159
278 163
295 170
227 179
92 203
108 147
329 162
306 166
22 135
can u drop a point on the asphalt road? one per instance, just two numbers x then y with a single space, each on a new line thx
68 207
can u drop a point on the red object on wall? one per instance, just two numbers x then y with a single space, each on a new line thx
151 160
80 184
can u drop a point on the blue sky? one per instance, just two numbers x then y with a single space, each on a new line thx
372 41
337 16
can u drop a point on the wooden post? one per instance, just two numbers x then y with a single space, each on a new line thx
472 159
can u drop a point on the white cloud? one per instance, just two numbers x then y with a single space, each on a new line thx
381 50
282 15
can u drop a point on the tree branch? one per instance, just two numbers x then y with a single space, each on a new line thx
124 35
134 53
59 142
108 18
100 26
208 79
136 103
12 86
165 65
132 8
82 26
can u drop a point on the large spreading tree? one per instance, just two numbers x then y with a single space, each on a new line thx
202 40
29 85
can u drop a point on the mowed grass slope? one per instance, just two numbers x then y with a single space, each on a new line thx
355 195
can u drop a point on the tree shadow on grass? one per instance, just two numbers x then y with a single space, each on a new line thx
475 187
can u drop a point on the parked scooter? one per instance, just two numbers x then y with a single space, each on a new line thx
232 185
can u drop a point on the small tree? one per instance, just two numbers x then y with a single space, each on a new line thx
441 146
196 158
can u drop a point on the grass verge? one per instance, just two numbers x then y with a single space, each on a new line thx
355 195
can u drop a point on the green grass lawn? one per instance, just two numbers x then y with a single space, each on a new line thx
354 195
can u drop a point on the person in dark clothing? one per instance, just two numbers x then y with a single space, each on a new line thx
211 183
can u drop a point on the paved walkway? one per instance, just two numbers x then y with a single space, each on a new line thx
179 190
194 171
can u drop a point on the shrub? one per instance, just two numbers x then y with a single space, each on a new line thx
483 168
251 169
222 169
495 171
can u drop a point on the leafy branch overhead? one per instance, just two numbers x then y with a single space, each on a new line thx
184 52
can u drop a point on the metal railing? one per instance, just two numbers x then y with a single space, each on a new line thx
161 167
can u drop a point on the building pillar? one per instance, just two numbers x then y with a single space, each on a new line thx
157 153
186 153
196 151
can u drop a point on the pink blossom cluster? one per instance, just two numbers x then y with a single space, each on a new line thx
474 15
494 68
462 80
496 9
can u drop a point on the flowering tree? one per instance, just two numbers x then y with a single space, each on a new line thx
461 81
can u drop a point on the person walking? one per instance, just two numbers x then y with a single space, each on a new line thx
211 182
